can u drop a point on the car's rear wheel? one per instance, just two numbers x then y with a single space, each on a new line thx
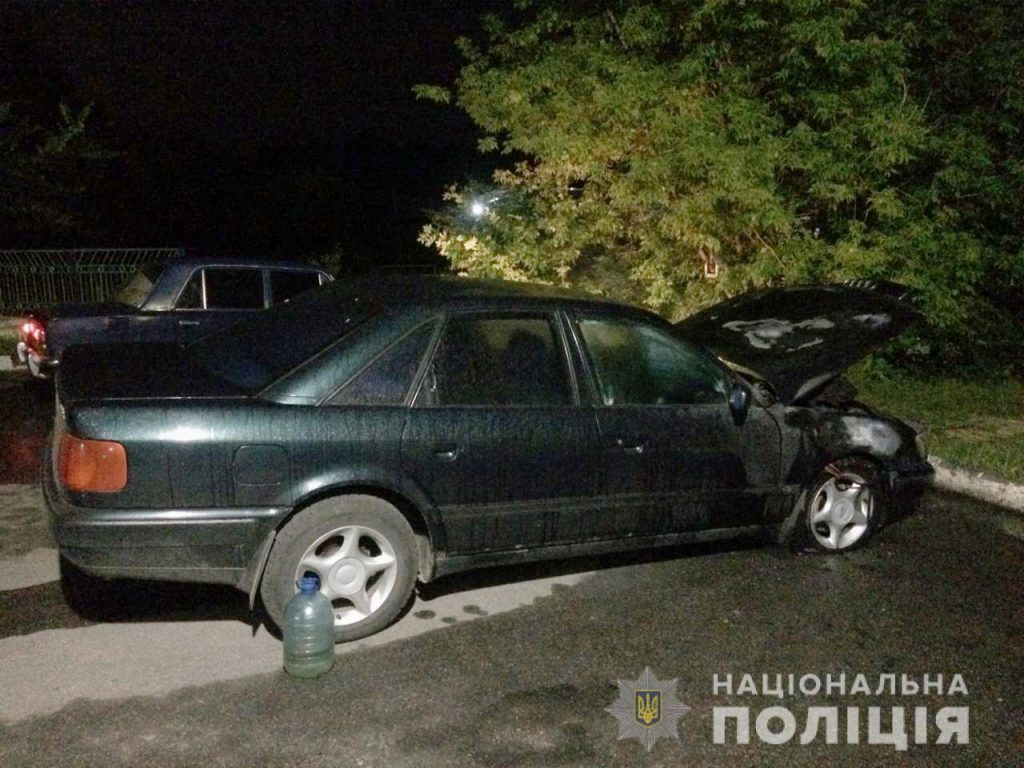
364 553
844 505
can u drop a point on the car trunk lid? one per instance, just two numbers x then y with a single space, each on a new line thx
135 371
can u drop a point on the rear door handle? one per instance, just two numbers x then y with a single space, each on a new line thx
631 446
188 322
446 451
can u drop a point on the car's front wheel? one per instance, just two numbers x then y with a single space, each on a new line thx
364 553
844 505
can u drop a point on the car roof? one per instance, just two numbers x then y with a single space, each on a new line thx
195 260
452 291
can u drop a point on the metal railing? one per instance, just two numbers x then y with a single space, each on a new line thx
39 278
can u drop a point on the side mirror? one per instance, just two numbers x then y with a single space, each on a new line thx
739 403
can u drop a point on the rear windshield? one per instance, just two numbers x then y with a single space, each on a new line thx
261 349
135 292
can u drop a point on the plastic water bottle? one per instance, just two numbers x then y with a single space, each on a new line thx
308 631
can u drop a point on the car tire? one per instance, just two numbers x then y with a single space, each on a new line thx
844 505
364 552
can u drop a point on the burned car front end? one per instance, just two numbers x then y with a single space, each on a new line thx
847 466
823 441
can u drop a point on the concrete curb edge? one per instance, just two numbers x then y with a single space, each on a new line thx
978 485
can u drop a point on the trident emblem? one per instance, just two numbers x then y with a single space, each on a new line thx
648 707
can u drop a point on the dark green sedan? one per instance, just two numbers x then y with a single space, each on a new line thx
379 433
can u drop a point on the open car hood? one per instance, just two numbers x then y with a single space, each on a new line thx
799 339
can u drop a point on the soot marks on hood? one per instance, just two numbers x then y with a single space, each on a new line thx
771 332
799 339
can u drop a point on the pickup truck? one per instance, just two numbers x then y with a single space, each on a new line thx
177 301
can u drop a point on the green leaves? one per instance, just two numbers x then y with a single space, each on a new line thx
43 172
434 93
784 141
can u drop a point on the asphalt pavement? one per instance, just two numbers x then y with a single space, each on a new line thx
518 666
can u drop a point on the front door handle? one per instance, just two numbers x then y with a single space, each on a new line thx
446 451
188 322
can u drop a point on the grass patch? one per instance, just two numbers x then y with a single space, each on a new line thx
976 425
8 334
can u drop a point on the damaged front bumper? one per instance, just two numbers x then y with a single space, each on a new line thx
907 484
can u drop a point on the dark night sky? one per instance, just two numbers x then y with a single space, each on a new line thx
262 126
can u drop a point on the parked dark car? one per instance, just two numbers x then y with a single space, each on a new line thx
177 301
375 434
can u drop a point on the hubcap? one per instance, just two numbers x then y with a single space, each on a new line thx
841 511
357 568
347 577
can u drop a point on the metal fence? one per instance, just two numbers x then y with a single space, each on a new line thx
40 278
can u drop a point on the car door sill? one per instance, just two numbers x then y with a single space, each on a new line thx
447 564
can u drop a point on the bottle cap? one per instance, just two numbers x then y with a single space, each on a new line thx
309 584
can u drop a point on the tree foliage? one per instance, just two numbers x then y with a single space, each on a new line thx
43 173
785 141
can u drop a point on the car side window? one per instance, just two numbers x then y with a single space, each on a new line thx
386 380
221 288
234 288
503 361
639 364
285 284
192 295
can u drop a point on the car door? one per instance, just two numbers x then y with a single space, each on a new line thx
673 459
496 437
216 297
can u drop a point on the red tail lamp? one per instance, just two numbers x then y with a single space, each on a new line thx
92 466
33 329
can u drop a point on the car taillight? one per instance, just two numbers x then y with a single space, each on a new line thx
33 330
94 466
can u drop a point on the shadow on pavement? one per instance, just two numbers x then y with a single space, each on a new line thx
81 600
512 574
135 600
44 606
26 412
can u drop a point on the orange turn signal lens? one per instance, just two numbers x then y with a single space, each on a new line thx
92 466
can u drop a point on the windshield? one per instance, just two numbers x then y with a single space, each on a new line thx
135 292
258 351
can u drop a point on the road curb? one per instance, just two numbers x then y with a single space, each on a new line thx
978 485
